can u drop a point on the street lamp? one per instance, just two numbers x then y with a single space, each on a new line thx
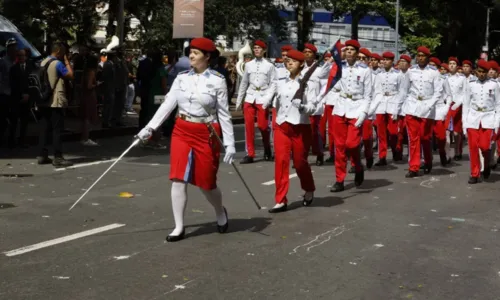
397 30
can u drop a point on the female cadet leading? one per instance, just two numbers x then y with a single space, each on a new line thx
201 97
292 132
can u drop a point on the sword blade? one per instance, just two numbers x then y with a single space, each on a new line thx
103 174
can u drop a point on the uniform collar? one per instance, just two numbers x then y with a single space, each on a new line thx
297 79
206 73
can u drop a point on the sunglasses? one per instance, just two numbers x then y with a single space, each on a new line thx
362 58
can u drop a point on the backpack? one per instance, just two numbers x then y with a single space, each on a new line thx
40 83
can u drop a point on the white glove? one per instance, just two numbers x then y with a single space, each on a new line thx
297 103
455 106
230 152
360 120
238 105
145 134
394 117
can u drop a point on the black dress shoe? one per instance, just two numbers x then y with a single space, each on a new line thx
43 160
397 156
330 159
268 155
176 238
60 162
337 187
359 178
246 160
369 162
443 159
223 228
381 162
411 174
307 202
278 209
427 168
320 160
487 172
457 157
473 180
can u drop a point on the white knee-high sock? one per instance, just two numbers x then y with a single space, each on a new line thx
179 201
215 198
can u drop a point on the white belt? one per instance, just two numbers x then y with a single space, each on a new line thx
260 88
420 98
351 96
201 120
482 109
389 94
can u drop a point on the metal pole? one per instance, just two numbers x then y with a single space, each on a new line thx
397 30
121 21
486 47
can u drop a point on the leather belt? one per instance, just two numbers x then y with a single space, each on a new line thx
351 96
421 98
200 120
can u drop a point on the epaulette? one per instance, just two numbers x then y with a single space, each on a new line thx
432 67
217 74
282 78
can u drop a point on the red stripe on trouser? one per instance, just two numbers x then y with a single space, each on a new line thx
385 124
440 134
347 138
479 140
419 131
292 140
317 142
327 119
250 110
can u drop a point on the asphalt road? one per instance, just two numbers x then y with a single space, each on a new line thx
433 237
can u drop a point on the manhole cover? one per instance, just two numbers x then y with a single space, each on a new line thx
16 175
6 205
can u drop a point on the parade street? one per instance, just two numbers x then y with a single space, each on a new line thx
431 237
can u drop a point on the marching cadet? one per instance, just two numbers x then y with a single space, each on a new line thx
404 64
481 118
201 97
493 71
467 70
258 86
442 107
425 88
457 83
350 113
388 96
292 135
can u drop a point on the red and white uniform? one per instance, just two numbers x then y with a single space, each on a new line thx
481 116
257 86
292 135
388 97
194 156
457 84
425 88
442 108
353 102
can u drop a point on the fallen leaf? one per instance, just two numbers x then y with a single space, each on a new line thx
186 279
283 237
420 286
450 227
164 276
401 287
409 296
197 211
126 195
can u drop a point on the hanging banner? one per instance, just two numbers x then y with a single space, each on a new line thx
188 18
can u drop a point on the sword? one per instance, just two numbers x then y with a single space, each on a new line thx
136 141
214 133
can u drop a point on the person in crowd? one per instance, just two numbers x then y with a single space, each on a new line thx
130 94
121 84
108 87
144 76
6 64
88 104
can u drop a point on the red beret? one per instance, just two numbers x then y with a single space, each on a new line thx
297 55
443 65
467 62
278 60
365 51
286 48
388 55
436 61
483 64
353 43
203 44
424 50
406 57
328 54
260 44
493 64
452 58
311 47
376 56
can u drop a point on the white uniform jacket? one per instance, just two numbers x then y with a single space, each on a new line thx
444 102
281 71
482 105
321 75
388 93
425 90
258 83
285 110
457 83
194 94
355 90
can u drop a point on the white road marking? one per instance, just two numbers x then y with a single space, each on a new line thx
61 277
86 164
62 240
271 182
414 225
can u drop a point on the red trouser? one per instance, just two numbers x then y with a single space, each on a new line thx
294 140
401 133
479 139
385 124
419 131
317 141
367 133
250 110
455 116
347 139
440 133
327 118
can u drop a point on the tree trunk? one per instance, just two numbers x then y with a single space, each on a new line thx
303 23
356 16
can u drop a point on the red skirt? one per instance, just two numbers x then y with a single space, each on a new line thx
194 154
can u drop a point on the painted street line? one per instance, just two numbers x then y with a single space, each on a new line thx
62 240
87 164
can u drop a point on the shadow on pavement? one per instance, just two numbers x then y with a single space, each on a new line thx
384 168
235 225
328 201
370 184
441 172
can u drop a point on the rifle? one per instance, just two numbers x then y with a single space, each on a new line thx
299 94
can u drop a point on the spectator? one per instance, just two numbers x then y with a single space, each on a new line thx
144 76
52 114
121 84
20 99
5 94
108 87
88 105
158 90
130 95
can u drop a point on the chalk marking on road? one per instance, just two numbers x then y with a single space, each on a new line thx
86 164
177 287
414 225
61 277
271 182
329 234
63 239
428 183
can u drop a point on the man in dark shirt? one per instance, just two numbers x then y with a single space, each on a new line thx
20 98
